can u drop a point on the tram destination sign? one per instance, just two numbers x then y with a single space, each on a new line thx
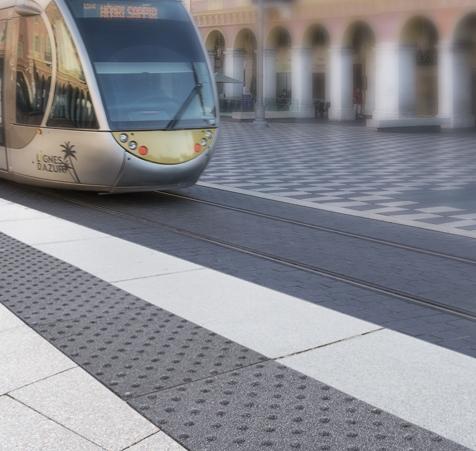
119 10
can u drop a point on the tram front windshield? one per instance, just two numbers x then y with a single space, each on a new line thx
150 66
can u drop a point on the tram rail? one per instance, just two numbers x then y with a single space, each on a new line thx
322 228
290 263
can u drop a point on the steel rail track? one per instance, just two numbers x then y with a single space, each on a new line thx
323 228
343 278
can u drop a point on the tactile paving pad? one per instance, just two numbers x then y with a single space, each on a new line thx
207 392
269 406
132 346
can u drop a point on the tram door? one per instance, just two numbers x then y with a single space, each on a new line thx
3 150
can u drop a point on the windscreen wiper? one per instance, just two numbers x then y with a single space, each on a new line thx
197 89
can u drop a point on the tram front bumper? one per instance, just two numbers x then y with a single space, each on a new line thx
141 175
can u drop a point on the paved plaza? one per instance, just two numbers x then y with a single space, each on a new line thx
231 316
421 179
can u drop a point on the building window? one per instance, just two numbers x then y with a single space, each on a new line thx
33 72
72 105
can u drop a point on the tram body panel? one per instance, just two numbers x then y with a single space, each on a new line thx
88 73
69 157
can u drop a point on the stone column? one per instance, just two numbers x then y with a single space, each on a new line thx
387 82
341 84
455 100
270 75
408 80
234 65
301 78
369 106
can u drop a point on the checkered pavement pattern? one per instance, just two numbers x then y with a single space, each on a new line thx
428 179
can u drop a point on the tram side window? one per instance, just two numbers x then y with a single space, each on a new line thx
72 105
33 72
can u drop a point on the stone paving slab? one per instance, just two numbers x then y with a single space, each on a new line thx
329 166
21 428
8 320
26 358
77 401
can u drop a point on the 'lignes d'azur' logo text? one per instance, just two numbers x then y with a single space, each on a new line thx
59 164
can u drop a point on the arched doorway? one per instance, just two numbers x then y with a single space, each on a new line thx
464 48
360 39
317 41
215 45
278 83
419 68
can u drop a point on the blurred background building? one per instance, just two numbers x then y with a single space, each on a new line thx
390 63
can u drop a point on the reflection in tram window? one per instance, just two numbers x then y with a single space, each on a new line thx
150 67
33 74
72 106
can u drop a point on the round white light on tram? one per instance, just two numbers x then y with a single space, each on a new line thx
204 142
133 145
208 134
123 137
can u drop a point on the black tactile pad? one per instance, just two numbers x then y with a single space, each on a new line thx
207 392
271 407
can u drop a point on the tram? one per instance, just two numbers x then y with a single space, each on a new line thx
106 96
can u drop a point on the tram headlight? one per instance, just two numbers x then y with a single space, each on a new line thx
204 142
123 137
208 134
133 145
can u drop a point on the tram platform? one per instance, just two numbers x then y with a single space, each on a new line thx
110 344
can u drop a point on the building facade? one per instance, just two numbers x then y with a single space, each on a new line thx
390 62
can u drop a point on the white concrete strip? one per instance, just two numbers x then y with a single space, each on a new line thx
16 212
21 429
413 222
370 198
114 259
77 401
267 321
157 442
25 357
398 204
8 320
47 229
439 210
462 223
430 386
466 216
386 210
345 204
416 216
